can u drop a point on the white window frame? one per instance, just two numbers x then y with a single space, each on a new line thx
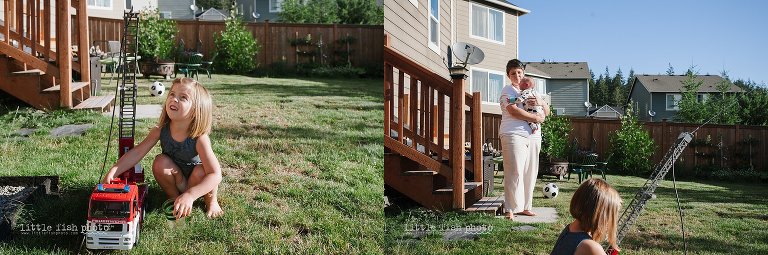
559 111
489 72
276 9
540 88
434 46
166 15
702 97
503 25
676 97
415 3
90 6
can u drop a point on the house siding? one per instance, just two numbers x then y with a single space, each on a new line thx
262 8
641 100
408 29
116 12
569 94
659 105
496 55
179 9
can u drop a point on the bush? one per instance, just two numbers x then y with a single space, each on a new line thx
555 132
632 146
236 47
155 36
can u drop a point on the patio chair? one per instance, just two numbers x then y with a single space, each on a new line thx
585 168
208 65
602 166
192 66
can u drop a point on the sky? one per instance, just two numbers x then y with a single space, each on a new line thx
648 36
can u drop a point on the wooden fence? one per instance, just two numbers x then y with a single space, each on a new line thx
275 39
734 152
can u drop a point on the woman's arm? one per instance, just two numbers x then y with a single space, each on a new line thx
210 165
133 156
519 113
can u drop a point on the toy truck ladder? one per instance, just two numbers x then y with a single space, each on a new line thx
127 87
633 210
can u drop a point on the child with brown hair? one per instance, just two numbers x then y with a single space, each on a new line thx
594 207
186 169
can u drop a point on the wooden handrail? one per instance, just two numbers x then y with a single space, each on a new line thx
426 110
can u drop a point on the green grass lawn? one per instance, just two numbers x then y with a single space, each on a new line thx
720 218
302 163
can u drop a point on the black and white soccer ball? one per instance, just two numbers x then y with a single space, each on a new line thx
550 190
157 89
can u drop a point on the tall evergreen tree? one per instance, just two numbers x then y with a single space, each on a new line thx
670 69
617 88
690 109
724 106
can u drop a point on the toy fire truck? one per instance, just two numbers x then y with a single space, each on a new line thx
116 210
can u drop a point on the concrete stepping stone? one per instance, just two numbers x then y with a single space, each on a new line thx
70 130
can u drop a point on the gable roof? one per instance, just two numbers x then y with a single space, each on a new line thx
559 70
674 83
506 4
212 14
607 108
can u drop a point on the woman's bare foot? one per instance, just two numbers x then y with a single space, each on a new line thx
509 215
214 210
528 213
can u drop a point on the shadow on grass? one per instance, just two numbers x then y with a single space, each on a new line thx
66 216
674 242
342 88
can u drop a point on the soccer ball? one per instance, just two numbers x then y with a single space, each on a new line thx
157 89
550 190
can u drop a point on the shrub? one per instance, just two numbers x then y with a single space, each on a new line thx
155 36
555 132
236 47
632 146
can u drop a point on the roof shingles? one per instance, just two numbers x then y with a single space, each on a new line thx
559 70
674 83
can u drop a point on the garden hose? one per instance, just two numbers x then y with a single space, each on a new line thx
168 209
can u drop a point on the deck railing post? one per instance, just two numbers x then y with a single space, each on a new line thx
457 138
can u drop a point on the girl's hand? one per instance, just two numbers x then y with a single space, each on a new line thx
109 176
182 207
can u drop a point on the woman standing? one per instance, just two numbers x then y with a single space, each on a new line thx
531 169
514 133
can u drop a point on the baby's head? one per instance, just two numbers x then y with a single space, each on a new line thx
188 100
526 83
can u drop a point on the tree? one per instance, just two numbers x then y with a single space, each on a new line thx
725 106
753 103
670 70
236 47
690 109
631 145
332 12
617 89
207 4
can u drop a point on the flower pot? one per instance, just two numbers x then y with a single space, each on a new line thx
152 68
556 168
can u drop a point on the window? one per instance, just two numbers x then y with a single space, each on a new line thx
540 85
702 98
487 23
672 100
415 3
166 15
559 111
488 83
275 5
434 25
100 4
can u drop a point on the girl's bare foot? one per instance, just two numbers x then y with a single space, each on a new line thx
528 213
214 210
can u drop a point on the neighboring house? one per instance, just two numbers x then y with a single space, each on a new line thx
251 10
655 96
212 15
607 112
566 83
424 30
113 9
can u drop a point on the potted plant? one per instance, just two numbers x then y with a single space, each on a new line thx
554 147
156 39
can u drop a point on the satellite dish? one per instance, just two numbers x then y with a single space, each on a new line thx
255 15
193 7
588 104
651 113
467 54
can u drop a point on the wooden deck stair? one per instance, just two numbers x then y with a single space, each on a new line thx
36 60
417 164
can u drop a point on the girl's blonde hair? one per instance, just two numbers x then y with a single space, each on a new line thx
596 205
202 108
